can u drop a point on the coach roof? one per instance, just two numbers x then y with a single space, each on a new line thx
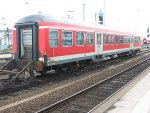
47 18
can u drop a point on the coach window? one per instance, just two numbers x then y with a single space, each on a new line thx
66 38
117 39
128 39
106 39
121 39
125 39
135 40
98 38
90 39
79 38
112 39
138 39
132 39
53 38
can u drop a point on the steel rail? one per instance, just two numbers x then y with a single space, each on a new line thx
52 106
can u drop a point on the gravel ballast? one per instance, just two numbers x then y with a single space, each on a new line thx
41 100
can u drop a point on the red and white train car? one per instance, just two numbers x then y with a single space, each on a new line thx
146 42
57 43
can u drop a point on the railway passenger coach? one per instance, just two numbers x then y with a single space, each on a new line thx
60 44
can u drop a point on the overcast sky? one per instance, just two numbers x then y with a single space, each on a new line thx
131 15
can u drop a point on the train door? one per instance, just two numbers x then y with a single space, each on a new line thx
27 44
98 43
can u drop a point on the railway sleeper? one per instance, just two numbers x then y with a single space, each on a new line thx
105 88
115 83
106 91
16 72
75 111
86 101
121 82
86 105
100 94
80 108
95 98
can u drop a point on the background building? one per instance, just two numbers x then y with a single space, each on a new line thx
5 39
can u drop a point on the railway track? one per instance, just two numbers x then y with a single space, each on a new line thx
101 65
88 99
43 80
61 87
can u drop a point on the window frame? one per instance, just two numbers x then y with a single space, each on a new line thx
71 38
105 39
112 39
100 41
87 38
57 38
27 38
125 39
83 38
129 39
118 39
121 39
